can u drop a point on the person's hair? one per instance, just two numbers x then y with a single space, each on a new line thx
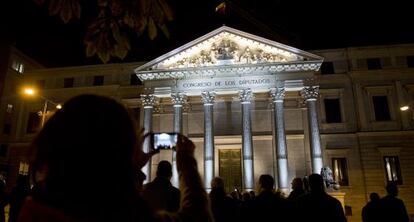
217 183
374 196
392 188
266 182
297 183
316 183
164 169
87 148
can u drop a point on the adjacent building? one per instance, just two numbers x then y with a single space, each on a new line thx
252 106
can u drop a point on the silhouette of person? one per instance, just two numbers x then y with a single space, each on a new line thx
252 194
160 194
90 138
18 196
223 207
317 205
267 204
297 189
371 211
392 208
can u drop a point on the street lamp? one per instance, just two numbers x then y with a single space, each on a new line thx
31 92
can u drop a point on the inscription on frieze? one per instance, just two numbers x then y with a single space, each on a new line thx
253 82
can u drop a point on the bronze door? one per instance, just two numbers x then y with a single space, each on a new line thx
230 168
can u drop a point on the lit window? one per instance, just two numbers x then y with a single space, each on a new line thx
18 66
392 169
9 108
24 168
340 171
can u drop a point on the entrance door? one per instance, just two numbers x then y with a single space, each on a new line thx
230 168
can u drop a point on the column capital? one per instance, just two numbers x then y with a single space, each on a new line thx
178 98
245 95
310 92
277 94
148 100
208 97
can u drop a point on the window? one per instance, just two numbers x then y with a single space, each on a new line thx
327 68
135 80
7 128
33 122
68 82
18 66
340 171
333 110
9 108
3 150
374 63
410 61
98 80
24 168
392 169
381 109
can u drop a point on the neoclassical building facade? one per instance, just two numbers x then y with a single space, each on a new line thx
252 106
228 63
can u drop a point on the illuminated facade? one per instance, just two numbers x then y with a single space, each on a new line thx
253 106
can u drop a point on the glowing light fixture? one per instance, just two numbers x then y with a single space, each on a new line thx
404 108
29 91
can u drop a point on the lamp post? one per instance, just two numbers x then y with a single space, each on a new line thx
32 92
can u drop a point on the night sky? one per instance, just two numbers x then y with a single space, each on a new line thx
303 24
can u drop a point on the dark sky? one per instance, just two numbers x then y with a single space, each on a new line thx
308 24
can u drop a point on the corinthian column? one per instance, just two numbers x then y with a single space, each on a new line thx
245 96
148 102
208 100
278 94
178 100
310 94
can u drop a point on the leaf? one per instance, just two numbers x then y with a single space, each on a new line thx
141 25
125 42
90 49
166 9
76 8
152 29
55 6
120 52
164 30
66 14
116 33
104 56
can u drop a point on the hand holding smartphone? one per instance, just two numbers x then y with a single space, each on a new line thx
164 141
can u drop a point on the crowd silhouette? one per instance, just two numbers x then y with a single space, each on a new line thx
86 166
388 208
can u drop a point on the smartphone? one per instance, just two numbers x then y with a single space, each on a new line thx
164 141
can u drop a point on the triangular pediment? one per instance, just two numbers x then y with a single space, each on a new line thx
226 46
